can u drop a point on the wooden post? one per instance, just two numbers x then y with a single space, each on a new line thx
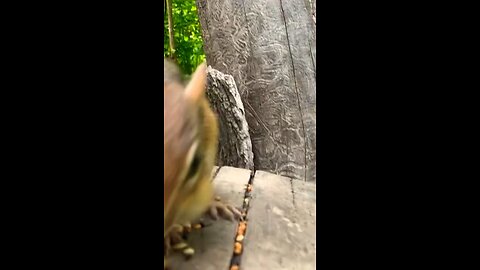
269 48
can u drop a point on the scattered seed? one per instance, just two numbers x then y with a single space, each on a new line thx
241 228
189 251
180 246
217 198
197 226
249 188
234 267
237 248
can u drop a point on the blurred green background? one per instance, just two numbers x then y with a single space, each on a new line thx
187 36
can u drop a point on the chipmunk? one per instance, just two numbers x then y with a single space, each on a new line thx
190 147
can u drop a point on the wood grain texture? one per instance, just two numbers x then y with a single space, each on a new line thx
313 10
235 145
269 48
281 232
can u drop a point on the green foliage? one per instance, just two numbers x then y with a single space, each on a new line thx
187 36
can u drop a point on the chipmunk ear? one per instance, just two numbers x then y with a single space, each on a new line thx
197 85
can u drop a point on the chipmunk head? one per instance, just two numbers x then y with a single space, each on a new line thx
190 146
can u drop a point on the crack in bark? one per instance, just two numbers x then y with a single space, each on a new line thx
296 92
236 259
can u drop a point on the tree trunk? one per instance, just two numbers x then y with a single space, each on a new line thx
269 48
171 49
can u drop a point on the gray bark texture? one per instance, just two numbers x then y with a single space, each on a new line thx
235 146
269 48
314 10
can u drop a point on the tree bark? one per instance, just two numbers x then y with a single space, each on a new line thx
269 49
235 146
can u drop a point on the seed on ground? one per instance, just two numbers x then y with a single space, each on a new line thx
189 251
237 248
180 246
